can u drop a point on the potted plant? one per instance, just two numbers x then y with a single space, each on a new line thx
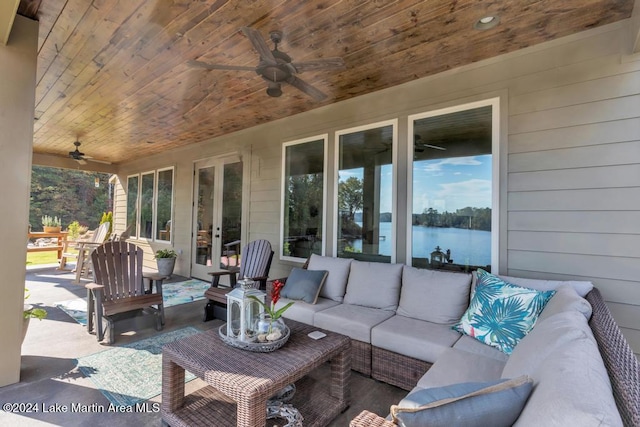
166 261
51 224
29 311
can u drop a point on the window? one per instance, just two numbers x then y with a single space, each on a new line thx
164 204
133 183
146 205
365 200
452 187
150 204
304 194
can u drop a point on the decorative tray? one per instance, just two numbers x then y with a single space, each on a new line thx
258 347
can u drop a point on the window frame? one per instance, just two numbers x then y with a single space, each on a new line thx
394 179
494 103
283 189
154 204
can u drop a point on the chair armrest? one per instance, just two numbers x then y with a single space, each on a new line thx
94 286
369 419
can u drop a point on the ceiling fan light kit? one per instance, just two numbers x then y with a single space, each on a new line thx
276 67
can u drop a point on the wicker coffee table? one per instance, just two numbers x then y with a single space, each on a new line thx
240 382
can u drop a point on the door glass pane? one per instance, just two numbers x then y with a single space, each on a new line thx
231 214
365 195
303 199
132 204
452 190
146 206
206 178
165 198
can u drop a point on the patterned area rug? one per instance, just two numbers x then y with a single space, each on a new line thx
131 373
173 294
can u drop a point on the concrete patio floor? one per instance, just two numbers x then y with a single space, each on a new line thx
49 375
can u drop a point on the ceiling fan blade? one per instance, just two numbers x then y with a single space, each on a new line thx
319 64
104 162
306 88
81 161
218 66
435 147
260 45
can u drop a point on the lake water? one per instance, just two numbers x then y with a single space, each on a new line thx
467 246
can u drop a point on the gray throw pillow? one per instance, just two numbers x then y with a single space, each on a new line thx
494 403
304 285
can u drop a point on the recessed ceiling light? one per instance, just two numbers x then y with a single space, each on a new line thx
486 22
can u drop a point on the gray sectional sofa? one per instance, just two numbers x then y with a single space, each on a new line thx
400 319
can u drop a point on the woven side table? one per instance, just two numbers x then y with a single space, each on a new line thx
240 382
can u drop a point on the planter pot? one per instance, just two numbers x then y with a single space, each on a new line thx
52 229
165 266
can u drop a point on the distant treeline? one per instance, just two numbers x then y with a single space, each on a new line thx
469 218
71 195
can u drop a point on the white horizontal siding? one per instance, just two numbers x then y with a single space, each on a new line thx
604 221
580 178
576 136
622 153
618 245
621 199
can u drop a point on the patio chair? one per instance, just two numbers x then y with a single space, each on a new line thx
84 248
254 264
119 287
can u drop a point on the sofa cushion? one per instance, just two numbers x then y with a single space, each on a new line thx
434 296
581 287
566 299
338 273
304 285
472 345
494 403
545 338
355 321
500 313
571 388
374 284
458 366
303 312
413 337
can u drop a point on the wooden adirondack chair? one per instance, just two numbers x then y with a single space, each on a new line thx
255 264
84 248
119 287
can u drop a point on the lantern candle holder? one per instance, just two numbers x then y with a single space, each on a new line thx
242 311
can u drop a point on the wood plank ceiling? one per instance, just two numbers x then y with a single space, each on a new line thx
114 74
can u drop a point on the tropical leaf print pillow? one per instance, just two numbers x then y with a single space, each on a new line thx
501 314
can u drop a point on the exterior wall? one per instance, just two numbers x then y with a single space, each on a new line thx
570 161
17 95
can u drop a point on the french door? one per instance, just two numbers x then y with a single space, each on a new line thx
217 215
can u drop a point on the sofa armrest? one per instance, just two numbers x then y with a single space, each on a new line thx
622 365
369 419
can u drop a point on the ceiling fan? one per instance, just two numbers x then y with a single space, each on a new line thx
276 67
80 157
420 145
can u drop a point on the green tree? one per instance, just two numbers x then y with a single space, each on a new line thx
68 194
350 196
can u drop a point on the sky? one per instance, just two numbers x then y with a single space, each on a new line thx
443 184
